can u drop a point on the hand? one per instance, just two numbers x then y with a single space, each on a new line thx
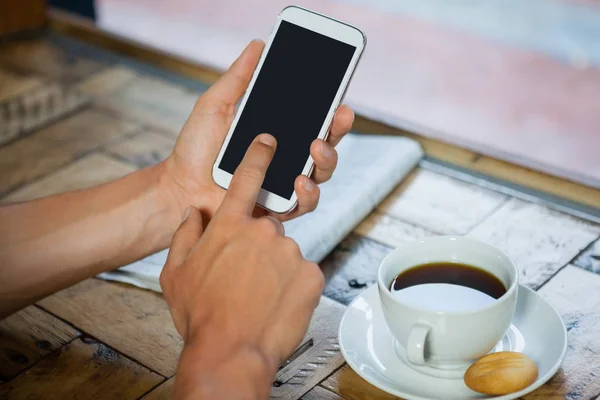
241 294
189 167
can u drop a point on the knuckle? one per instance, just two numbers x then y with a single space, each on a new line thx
266 226
323 176
334 161
239 79
248 173
291 247
314 277
165 277
312 203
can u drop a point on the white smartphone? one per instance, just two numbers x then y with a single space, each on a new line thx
299 82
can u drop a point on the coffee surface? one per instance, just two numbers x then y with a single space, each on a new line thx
447 286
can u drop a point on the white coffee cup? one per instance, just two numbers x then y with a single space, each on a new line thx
435 340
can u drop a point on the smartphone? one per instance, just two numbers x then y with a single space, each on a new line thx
299 82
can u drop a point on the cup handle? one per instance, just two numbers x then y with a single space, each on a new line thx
415 348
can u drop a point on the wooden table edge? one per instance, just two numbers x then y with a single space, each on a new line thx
87 31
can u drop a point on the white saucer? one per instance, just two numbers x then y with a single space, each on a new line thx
368 347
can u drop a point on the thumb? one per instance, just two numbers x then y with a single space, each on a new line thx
186 237
233 83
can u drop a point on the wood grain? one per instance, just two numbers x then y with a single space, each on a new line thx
316 358
571 383
56 146
389 230
90 170
84 369
143 149
12 84
540 240
575 294
154 102
590 258
21 15
349 385
165 390
491 166
451 153
162 392
106 82
352 267
134 321
39 57
89 32
27 336
441 204
319 393
31 109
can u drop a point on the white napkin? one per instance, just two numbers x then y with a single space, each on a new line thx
369 167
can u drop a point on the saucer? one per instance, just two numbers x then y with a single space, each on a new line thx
368 346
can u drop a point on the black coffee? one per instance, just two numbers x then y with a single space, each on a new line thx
447 286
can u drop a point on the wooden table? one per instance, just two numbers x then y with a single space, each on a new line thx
87 117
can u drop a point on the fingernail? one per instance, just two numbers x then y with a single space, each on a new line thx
326 150
187 213
308 185
267 139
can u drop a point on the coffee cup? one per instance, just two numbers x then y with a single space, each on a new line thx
436 341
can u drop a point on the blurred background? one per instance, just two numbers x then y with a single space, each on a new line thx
516 80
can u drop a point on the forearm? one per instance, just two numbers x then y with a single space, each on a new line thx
54 242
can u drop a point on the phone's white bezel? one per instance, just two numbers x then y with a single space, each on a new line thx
325 26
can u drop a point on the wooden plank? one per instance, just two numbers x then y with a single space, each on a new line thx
137 322
57 145
318 357
590 258
352 266
389 230
28 336
165 391
30 109
349 385
575 294
154 102
145 148
540 240
315 359
441 204
87 31
22 15
134 321
84 369
162 392
91 170
319 393
451 153
12 84
491 166
106 81
39 57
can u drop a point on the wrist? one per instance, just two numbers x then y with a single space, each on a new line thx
223 371
181 189
170 193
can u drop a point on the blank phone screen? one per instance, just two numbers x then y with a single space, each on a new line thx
291 97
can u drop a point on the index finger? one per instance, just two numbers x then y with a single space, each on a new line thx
249 175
